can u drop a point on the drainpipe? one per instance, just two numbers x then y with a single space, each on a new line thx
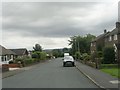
118 27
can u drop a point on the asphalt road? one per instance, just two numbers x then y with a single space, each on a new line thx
49 75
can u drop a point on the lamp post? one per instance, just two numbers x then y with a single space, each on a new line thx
78 47
75 49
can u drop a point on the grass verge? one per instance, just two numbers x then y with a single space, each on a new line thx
111 69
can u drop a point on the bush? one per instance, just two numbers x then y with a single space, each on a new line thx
86 57
42 56
11 62
77 55
109 66
36 54
24 60
108 55
39 55
97 54
29 61
93 56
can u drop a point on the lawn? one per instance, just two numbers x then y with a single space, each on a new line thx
111 69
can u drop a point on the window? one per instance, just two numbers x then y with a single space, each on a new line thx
5 58
110 38
91 44
2 58
115 37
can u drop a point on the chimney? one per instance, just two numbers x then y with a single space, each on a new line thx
117 24
105 31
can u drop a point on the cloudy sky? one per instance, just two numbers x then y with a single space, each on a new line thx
52 23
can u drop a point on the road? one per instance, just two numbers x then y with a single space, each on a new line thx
49 75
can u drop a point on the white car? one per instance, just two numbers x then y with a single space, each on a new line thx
68 60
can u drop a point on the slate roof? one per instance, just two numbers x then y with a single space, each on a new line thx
113 32
100 36
4 51
20 51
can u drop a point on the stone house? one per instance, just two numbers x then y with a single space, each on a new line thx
108 39
98 43
113 40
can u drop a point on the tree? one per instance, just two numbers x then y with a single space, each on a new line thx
37 48
80 43
108 55
57 53
65 50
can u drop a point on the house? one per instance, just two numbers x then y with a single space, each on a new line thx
113 40
21 52
6 55
108 39
98 43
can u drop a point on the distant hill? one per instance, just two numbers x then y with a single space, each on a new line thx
50 50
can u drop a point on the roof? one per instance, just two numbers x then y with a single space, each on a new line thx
100 36
20 51
113 32
5 51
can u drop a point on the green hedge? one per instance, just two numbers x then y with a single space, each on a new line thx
109 65
108 55
39 55
25 60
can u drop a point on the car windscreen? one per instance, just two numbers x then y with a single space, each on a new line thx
68 57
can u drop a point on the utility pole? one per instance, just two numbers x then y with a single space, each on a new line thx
75 49
78 47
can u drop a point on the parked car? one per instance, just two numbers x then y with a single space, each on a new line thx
66 54
68 60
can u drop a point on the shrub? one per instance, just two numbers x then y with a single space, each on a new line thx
36 54
99 54
86 57
39 55
42 56
93 56
28 61
24 60
96 54
77 55
11 62
108 55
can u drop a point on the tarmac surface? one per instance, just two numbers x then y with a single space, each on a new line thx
50 74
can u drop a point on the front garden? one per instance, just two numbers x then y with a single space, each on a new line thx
104 60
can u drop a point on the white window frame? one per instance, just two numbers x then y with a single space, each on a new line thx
91 44
115 37
110 38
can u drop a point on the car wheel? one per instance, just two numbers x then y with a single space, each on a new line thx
64 64
73 64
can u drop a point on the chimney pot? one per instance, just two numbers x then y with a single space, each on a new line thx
105 31
117 24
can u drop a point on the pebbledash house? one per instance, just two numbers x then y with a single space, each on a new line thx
6 55
108 39
21 52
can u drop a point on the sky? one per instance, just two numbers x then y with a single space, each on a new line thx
51 24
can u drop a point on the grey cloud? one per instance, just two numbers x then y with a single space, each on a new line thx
49 19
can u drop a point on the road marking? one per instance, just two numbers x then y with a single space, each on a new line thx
114 81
